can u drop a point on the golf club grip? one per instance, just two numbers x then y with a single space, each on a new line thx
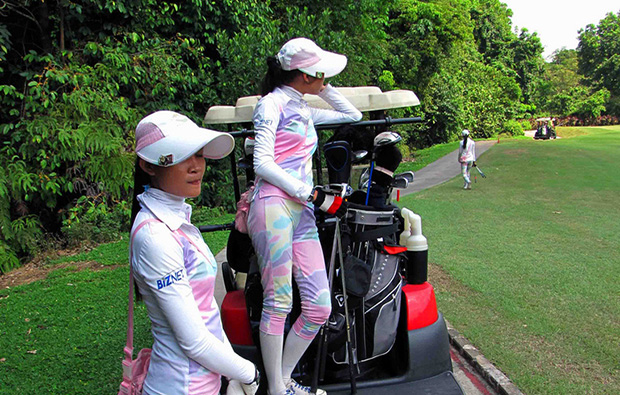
323 355
351 367
214 228
319 366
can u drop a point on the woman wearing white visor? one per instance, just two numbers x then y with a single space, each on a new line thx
281 220
173 267
467 157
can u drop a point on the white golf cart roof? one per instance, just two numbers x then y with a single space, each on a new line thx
364 98
543 119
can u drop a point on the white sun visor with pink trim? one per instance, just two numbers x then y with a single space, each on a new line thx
304 55
166 138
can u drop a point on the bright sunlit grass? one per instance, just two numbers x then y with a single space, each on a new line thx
527 264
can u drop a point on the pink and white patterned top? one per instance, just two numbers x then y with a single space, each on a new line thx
175 272
286 139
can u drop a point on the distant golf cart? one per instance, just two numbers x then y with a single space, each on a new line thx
544 129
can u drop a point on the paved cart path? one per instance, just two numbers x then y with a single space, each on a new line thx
442 170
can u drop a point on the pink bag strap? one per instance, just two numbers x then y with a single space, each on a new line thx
128 350
190 241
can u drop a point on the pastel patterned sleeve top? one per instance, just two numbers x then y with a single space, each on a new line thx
175 272
467 154
286 139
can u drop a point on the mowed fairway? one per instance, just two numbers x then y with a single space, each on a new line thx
527 264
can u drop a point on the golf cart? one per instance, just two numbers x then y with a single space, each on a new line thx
385 334
544 129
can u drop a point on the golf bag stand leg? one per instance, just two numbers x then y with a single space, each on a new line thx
321 354
352 353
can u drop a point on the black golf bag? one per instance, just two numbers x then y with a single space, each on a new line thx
373 264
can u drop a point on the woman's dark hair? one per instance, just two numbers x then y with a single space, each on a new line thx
465 141
140 180
275 76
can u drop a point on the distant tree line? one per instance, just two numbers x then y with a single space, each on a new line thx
77 75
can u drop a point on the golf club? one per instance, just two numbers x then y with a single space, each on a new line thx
319 367
481 173
352 353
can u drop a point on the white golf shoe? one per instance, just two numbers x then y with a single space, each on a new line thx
293 387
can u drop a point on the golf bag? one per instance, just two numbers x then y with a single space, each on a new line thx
374 293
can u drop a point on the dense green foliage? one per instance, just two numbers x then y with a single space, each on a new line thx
76 76
566 91
599 57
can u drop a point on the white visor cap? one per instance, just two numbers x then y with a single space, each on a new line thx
304 55
166 138
465 132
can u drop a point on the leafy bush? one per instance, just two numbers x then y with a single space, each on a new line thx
94 220
528 124
513 127
8 259
603 120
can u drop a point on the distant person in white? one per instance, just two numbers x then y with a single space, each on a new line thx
467 157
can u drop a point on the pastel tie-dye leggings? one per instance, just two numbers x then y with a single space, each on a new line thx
285 238
465 168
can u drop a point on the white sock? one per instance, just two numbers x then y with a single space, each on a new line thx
293 350
271 349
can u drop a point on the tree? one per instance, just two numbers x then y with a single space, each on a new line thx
74 88
599 57
492 30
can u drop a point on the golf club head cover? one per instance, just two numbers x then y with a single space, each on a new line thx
387 160
329 203
378 195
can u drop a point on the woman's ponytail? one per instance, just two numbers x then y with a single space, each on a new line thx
275 76
140 180
465 142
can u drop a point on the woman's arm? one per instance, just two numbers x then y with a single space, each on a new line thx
473 149
343 111
160 264
266 118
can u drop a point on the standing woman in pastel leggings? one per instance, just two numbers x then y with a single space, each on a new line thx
467 157
281 220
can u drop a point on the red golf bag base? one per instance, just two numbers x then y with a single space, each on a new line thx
235 319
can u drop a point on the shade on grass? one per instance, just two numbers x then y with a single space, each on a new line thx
65 334
530 260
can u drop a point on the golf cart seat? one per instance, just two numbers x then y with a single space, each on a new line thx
364 98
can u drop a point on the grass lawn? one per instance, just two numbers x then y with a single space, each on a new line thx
65 334
527 264
426 156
